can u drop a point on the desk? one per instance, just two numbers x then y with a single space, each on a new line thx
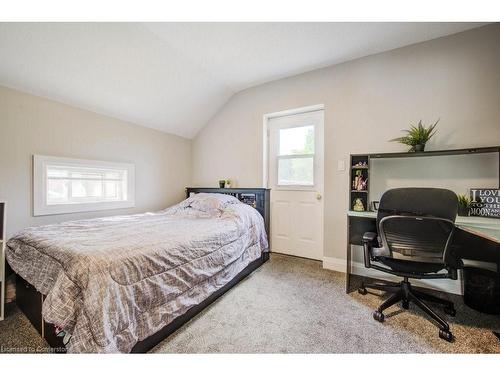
471 231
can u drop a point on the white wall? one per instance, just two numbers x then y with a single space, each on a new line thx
367 102
33 125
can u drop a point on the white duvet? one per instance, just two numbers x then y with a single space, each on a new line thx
112 282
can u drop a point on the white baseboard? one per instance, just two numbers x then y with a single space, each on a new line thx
357 268
334 264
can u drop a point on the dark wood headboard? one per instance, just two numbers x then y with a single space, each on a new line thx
258 198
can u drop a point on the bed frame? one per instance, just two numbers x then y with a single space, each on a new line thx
30 301
258 198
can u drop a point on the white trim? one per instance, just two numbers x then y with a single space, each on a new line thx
357 268
40 206
265 152
295 111
275 125
272 122
334 264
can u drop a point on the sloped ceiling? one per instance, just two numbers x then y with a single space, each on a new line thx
175 76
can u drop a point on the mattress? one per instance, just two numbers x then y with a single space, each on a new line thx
111 282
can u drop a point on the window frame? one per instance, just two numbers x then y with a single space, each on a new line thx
40 206
301 123
295 156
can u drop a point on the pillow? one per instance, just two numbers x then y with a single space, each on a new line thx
208 202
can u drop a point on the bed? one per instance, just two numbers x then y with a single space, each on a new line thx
124 283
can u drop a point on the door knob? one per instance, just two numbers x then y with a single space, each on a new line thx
318 196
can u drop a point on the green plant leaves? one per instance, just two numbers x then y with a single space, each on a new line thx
463 200
417 135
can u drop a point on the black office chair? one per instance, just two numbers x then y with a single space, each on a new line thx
415 226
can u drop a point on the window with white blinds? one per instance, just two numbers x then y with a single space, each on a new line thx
63 185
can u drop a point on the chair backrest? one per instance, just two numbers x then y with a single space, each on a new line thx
416 224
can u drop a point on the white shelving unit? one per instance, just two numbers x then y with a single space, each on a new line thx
2 260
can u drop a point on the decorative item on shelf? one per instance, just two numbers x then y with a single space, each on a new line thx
463 205
249 199
222 184
361 164
485 202
417 136
358 205
228 184
362 183
357 174
375 206
359 183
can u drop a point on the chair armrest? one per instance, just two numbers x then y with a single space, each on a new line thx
369 240
370 237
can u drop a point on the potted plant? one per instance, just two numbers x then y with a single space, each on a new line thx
463 205
417 136
222 184
228 184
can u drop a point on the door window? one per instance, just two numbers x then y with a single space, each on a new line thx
295 160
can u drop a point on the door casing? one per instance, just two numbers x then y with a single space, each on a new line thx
317 189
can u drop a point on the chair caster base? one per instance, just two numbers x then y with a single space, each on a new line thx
450 310
362 291
378 316
446 335
406 305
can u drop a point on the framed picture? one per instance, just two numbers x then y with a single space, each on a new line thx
485 202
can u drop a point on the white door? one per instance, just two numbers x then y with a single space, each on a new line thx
295 176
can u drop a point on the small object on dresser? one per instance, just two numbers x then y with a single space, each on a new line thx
228 184
222 184
375 205
358 205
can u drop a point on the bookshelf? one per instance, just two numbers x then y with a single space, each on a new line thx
360 167
359 182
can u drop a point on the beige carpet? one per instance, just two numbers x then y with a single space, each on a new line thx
292 305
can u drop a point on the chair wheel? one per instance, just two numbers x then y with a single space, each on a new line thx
362 291
378 316
406 305
450 310
446 335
